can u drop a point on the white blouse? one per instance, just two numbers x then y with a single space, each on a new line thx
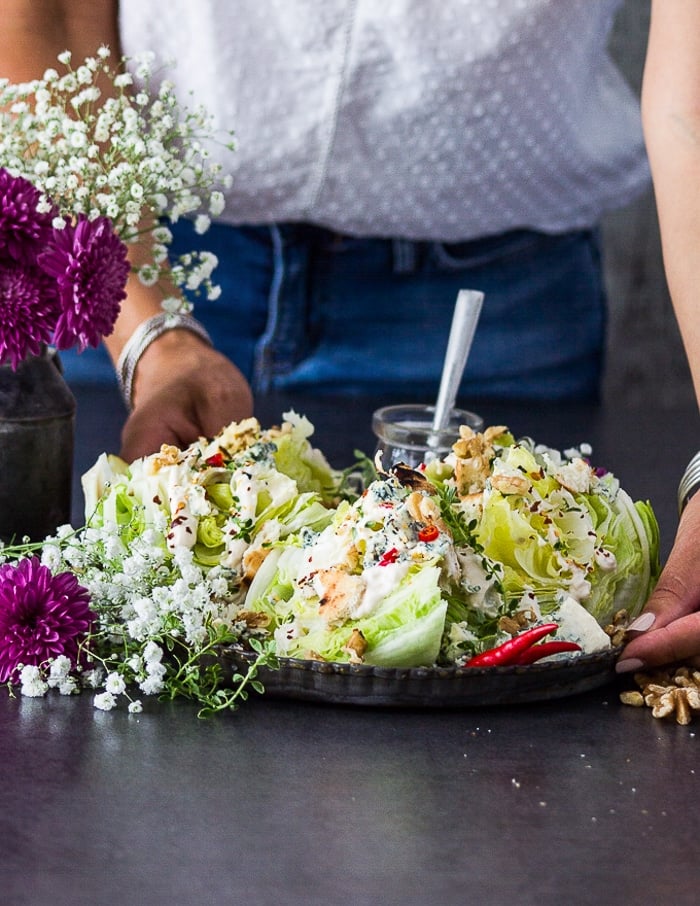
426 119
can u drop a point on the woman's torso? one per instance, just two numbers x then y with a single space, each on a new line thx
445 120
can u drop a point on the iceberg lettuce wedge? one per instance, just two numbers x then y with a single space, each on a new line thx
405 630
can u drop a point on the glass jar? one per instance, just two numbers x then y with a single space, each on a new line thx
405 433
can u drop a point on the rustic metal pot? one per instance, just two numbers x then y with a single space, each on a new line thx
37 431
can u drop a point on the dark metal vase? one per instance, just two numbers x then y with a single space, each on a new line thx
37 431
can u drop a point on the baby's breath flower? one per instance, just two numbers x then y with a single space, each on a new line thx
160 253
216 204
152 653
93 678
68 686
84 75
115 684
104 701
32 683
202 224
148 275
60 667
129 156
152 685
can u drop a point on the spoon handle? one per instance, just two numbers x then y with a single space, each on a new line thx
464 320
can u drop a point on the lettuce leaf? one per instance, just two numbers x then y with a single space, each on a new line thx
404 630
307 465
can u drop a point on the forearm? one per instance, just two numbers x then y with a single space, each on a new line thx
141 303
34 32
671 114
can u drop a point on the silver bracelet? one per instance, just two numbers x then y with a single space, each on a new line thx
141 339
690 482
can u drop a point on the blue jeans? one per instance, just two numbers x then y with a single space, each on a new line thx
305 308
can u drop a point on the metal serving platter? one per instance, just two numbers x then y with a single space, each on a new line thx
428 687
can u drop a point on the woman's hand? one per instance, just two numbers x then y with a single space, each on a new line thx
668 629
183 389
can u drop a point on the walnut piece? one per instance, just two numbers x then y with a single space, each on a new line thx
254 619
474 453
423 509
617 630
516 622
668 693
632 697
356 646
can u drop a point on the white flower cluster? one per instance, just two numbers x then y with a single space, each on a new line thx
154 606
98 146
35 683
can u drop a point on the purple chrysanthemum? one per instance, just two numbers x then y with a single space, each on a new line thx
42 616
29 309
24 231
88 262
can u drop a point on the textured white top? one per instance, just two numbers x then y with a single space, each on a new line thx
433 119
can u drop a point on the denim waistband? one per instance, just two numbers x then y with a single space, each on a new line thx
409 254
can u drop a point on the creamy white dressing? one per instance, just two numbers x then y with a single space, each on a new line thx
197 500
379 582
280 488
575 476
329 549
605 559
579 586
235 549
373 509
245 490
183 526
481 589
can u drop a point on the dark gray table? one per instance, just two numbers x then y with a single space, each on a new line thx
575 801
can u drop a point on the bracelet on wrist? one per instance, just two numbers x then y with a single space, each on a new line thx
689 483
145 334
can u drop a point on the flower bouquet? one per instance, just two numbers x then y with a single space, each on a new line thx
89 166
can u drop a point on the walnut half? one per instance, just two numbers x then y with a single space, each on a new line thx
668 693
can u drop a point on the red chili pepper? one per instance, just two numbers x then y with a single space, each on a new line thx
216 459
510 651
428 532
389 556
544 649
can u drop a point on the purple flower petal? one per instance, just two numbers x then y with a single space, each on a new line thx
29 310
24 232
42 616
89 264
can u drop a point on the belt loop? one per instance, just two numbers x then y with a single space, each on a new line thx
404 252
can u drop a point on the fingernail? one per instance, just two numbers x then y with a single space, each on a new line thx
643 622
629 665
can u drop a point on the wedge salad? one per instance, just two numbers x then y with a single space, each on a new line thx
415 567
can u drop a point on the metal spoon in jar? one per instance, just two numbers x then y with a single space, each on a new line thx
464 321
